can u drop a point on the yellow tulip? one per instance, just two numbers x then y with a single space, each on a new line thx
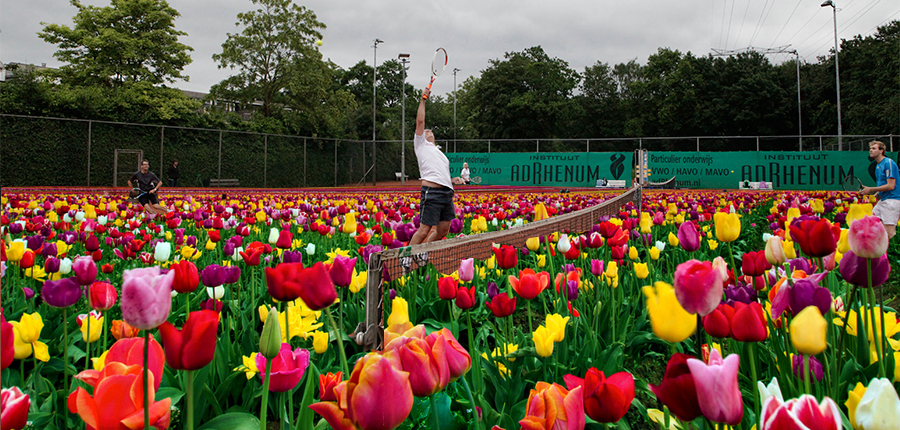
99 362
843 244
612 270
728 226
641 270
633 253
320 341
540 212
679 219
673 240
789 251
249 366
543 341
303 320
490 263
808 331
541 261
669 320
359 281
399 312
189 253
533 244
645 224
853 398
858 211
25 338
96 328
654 253
29 326
15 251
261 216
557 325
791 214
349 223
210 245
61 248
712 244
818 206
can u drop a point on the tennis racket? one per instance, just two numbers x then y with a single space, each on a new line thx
135 194
475 180
851 183
438 64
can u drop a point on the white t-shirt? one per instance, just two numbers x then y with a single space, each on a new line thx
433 164
464 173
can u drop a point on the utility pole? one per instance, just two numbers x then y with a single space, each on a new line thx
404 60
455 96
374 100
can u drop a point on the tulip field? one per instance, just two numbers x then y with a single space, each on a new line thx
698 309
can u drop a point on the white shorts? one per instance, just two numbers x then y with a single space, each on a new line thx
888 211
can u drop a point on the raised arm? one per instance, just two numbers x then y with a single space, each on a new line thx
420 116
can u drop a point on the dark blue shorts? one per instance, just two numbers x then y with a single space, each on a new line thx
436 205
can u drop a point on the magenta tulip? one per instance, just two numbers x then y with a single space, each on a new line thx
62 293
287 368
717 387
85 270
342 271
146 297
698 287
688 237
867 237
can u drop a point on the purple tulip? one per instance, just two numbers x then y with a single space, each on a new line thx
62 293
815 368
51 265
492 290
688 237
146 297
34 242
368 250
803 264
85 270
807 293
15 228
853 269
228 249
29 293
211 305
49 250
392 294
456 226
191 241
232 274
572 289
292 256
212 275
740 293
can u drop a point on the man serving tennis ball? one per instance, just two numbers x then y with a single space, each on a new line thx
436 201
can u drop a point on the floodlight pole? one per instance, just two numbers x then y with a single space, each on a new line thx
799 112
374 100
455 96
404 60
837 74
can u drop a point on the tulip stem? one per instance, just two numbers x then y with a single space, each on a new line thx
879 343
146 380
751 346
65 360
434 414
337 333
287 321
189 395
265 400
87 341
471 403
476 362
105 331
806 375
530 324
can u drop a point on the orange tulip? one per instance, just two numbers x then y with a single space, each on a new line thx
529 284
118 400
360 402
553 407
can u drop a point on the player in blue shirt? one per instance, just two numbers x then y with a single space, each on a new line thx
886 174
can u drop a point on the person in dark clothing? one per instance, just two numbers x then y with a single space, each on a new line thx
148 183
173 174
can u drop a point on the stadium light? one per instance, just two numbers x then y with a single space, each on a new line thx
837 74
455 96
374 92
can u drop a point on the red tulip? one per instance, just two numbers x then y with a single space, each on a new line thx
815 238
193 346
501 305
7 342
187 278
27 259
107 268
327 383
102 296
606 400
14 405
677 390
447 287
620 238
507 257
608 229
465 297
447 348
754 263
252 255
718 323
285 239
289 281
749 323
573 253
214 236
529 284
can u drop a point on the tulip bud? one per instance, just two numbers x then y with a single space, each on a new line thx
808 331
270 339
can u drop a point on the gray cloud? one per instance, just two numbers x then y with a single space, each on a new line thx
580 32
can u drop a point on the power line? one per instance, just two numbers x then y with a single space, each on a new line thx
743 20
759 25
786 22
730 18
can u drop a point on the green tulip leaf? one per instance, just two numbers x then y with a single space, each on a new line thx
169 392
232 421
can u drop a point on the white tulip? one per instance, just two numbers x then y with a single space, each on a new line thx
273 236
162 252
65 266
310 249
215 292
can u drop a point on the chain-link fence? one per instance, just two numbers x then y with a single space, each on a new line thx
39 151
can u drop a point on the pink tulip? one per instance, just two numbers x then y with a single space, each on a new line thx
698 287
688 237
597 267
800 413
467 270
867 237
14 405
717 387
146 297
342 271
85 270
446 347
287 368
428 371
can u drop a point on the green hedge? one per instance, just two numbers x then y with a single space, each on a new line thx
55 152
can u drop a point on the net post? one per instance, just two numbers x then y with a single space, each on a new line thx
373 333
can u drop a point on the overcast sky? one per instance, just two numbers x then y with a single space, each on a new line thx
581 32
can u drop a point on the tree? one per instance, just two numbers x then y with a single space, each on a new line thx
276 45
526 95
126 42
